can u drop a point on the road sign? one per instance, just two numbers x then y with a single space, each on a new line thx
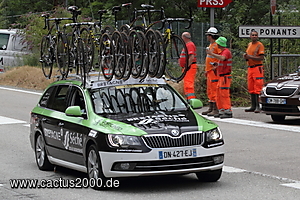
213 3
270 31
273 6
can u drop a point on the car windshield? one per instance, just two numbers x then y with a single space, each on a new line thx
136 99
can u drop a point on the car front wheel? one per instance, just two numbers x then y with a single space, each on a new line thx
209 176
94 168
41 154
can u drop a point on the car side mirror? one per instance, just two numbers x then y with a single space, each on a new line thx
74 111
195 103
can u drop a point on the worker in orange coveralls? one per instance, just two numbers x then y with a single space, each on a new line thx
189 79
254 56
224 73
211 73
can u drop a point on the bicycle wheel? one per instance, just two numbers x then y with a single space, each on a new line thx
121 101
130 103
162 56
127 71
81 58
174 47
106 57
108 29
139 28
62 55
89 45
136 100
96 64
165 99
154 53
137 53
119 54
125 28
107 106
145 56
73 57
46 57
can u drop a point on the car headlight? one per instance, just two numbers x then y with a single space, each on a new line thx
123 140
214 135
263 91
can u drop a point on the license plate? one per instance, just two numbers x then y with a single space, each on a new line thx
276 101
184 153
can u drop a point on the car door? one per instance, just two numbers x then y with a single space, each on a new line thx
74 130
55 101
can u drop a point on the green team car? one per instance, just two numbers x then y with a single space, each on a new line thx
111 129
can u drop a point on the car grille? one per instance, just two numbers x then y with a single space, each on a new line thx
272 91
164 141
177 164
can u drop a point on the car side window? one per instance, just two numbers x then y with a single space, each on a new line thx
4 41
78 99
18 43
59 101
46 96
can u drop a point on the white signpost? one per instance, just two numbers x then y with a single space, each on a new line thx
280 32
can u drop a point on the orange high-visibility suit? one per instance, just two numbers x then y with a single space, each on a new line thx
255 68
189 78
224 73
211 74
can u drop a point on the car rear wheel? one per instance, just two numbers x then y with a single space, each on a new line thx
94 168
209 176
278 118
41 154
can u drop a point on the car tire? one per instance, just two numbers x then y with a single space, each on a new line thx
209 176
41 157
94 169
278 118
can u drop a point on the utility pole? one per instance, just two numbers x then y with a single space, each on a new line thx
212 16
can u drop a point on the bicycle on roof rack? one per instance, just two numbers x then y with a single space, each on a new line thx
91 33
119 42
78 49
165 49
54 47
174 46
144 44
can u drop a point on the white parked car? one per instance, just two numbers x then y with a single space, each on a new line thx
12 48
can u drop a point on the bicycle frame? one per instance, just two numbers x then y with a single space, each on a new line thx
142 16
48 59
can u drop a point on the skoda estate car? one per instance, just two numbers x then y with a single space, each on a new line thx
281 97
122 128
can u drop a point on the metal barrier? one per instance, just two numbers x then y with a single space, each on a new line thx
284 64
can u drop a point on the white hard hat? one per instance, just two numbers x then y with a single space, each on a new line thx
211 31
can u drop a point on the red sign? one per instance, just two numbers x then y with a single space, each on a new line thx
213 3
273 6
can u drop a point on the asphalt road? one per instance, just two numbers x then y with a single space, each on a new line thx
261 161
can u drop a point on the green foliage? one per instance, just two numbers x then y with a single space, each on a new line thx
227 20
31 59
33 26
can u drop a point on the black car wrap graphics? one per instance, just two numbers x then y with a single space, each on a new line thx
161 122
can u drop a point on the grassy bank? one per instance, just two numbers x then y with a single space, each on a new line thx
32 78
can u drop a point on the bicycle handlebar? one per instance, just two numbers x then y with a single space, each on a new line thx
170 20
47 19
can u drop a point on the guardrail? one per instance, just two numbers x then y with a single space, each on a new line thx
286 63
